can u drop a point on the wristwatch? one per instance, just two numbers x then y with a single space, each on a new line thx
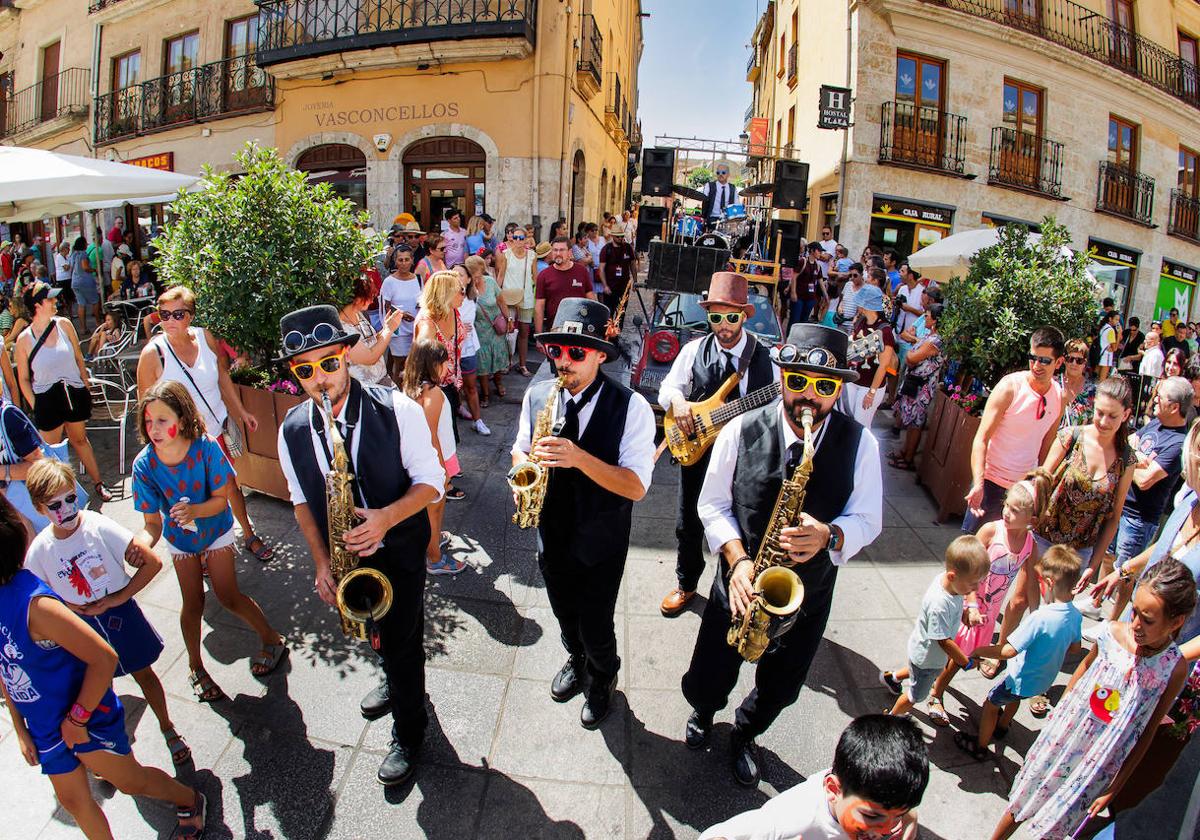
836 539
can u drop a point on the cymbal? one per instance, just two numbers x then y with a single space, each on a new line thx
687 192
765 188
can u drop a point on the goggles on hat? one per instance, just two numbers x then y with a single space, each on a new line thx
298 342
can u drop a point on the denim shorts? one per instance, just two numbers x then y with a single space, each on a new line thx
1085 554
1133 535
920 681
468 364
1002 694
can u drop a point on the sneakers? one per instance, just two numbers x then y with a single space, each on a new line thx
446 565
481 428
464 412
888 680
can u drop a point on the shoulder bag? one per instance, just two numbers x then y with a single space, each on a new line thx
231 433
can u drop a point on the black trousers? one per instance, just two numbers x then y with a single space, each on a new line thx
689 530
584 599
780 672
402 645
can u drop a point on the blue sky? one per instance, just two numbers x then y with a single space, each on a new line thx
693 74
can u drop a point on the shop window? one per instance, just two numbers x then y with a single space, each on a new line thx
444 172
341 166
1115 270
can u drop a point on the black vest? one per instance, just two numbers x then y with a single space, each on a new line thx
579 517
758 476
708 370
379 472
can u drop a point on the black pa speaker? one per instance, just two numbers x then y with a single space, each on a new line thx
791 185
683 268
650 222
658 171
789 245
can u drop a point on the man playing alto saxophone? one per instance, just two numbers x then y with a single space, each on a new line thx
842 513
390 529
600 455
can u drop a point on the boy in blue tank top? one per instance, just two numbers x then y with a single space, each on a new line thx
56 678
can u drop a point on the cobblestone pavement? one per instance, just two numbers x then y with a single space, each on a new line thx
290 757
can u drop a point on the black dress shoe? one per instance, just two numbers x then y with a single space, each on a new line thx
377 703
696 733
397 765
744 753
597 704
569 680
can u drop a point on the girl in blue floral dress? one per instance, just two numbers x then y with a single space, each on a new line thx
1099 731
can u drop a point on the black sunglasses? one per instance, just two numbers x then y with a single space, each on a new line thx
176 314
69 499
555 351
1041 360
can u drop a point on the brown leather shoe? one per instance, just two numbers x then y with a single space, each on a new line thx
675 602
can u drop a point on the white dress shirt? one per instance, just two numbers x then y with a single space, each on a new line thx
678 381
913 297
714 189
861 520
636 452
799 813
417 455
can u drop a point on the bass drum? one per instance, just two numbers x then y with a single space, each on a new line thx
712 239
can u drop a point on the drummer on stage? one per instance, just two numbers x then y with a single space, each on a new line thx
700 369
718 195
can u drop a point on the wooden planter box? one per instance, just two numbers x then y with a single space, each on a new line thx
945 464
258 468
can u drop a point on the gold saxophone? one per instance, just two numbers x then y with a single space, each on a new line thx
363 595
529 479
778 590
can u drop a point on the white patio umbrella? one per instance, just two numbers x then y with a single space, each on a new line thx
951 257
36 183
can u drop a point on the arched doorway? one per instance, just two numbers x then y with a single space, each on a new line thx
614 199
603 192
444 172
341 166
577 189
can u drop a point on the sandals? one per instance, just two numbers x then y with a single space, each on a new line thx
268 659
901 463
102 492
205 689
969 745
1039 706
455 494
258 548
192 820
485 402
989 668
500 390
180 752
937 712
524 371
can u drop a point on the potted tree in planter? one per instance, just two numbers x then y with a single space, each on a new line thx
1020 283
254 247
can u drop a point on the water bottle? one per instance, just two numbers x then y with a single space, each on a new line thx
191 526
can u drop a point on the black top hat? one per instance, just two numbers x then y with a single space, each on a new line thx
580 322
311 329
815 348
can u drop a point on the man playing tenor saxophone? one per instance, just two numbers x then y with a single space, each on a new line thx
842 513
384 526
599 453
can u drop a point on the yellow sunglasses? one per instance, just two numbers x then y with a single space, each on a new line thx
824 386
329 364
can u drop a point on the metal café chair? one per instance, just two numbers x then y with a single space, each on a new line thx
113 403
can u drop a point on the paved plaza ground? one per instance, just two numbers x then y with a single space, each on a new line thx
290 758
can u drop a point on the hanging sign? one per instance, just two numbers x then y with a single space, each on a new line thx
834 108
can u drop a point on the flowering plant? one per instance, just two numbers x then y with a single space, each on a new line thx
1184 714
284 386
967 400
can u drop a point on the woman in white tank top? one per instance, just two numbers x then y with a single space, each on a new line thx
191 356
514 270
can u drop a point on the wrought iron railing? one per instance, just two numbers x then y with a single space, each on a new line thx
1185 215
211 91
1084 31
591 49
1026 161
749 113
291 29
752 61
791 63
1125 192
63 94
97 5
923 136
612 104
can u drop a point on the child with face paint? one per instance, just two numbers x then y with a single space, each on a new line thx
181 485
879 773
81 555
56 675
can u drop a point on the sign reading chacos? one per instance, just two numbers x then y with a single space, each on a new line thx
326 117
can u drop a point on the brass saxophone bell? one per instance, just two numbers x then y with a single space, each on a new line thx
364 595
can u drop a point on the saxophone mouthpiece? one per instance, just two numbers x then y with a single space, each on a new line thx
807 418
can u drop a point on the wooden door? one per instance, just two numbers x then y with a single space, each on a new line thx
917 127
1023 13
1189 52
1021 146
1187 212
50 81
1122 49
1122 155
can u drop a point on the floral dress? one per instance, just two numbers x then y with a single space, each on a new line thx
1078 504
453 347
1089 735
1079 411
492 356
989 596
914 410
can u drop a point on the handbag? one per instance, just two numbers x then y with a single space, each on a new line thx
231 432
500 323
911 386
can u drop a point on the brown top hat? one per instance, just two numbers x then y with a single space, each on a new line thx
728 288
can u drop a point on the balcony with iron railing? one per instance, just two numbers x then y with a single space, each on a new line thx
791 65
612 104
1026 161
752 67
99 5
589 70
1123 191
65 94
749 113
1184 219
1089 33
211 91
922 137
297 29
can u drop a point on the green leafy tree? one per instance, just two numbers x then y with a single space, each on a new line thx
700 176
1012 288
256 246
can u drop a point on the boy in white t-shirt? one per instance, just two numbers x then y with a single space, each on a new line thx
880 770
81 555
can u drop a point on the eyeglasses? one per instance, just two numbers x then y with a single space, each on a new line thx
69 499
330 364
824 386
575 352
177 314
716 318
1076 360
296 341
1041 360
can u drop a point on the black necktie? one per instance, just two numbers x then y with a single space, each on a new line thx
795 453
730 370
570 419
724 194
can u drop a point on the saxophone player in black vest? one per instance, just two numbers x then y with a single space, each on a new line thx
842 513
393 485
699 370
600 457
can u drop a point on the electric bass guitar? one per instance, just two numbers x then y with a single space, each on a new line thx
711 415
